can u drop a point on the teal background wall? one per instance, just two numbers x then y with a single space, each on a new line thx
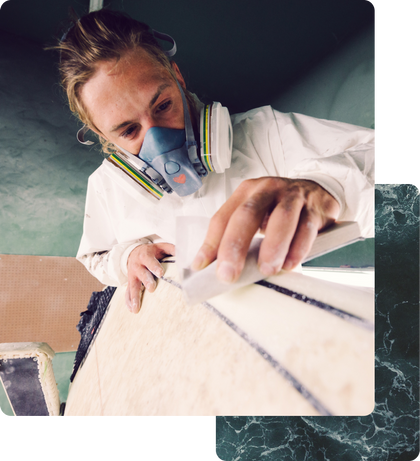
44 169
303 56
340 87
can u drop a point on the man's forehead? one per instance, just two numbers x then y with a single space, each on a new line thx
135 80
140 61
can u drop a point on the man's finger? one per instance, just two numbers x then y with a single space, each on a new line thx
305 235
242 226
164 249
134 295
150 266
279 233
146 277
141 279
150 260
218 223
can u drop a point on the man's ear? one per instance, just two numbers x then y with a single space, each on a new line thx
178 74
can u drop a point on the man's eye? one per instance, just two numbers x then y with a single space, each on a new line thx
129 132
164 106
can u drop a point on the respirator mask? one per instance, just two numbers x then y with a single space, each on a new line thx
173 160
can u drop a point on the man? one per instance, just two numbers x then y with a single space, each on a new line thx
291 176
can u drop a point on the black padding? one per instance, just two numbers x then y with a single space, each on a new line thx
20 378
90 322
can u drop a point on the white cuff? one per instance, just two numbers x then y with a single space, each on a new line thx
331 185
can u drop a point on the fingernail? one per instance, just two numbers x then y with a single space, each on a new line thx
158 273
226 272
199 262
134 304
267 269
150 286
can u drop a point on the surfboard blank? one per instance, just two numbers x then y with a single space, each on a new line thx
253 351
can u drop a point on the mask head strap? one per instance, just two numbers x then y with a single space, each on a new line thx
166 38
81 136
189 134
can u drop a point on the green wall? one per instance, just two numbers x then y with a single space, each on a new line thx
44 169
340 87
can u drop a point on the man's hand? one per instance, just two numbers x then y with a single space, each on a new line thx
289 211
142 265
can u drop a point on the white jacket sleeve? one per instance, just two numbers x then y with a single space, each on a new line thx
337 156
99 251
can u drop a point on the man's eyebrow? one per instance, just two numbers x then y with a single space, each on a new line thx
121 125
155 97
158 93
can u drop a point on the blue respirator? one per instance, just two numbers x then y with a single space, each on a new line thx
172 160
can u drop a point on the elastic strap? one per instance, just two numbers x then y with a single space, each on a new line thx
189 134
81 136
166 38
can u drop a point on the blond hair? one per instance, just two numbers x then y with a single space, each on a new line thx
103 35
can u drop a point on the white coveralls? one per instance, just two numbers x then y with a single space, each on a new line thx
337 156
